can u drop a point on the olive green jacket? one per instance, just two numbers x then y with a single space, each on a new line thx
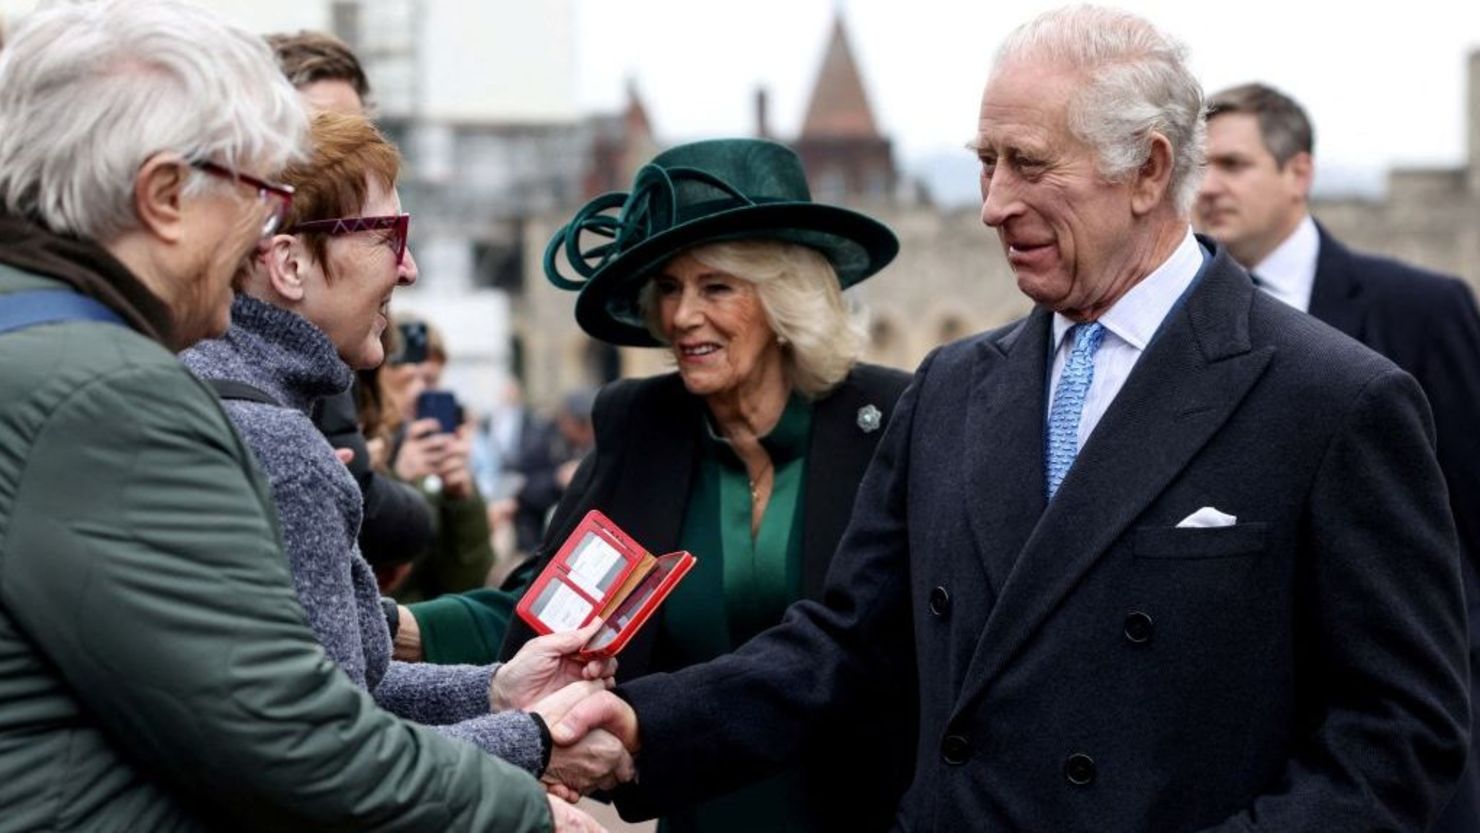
156 671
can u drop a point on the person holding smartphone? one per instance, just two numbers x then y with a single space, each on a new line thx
433 451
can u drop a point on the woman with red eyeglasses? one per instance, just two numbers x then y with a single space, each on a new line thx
310 309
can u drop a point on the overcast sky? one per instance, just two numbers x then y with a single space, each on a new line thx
1383 82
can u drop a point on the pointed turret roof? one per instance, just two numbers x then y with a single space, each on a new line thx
839 107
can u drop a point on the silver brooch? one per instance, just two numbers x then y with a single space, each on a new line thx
869 419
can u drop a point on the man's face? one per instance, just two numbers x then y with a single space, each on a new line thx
1066 231
224 227
331 95
1249 202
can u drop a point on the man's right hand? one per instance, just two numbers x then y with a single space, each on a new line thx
568 819
601 710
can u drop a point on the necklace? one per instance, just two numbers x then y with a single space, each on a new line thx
755 483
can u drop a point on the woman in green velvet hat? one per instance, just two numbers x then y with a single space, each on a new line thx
749 454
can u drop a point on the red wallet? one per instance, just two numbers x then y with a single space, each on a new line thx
601 572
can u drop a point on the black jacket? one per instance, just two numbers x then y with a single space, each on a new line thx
398 523
647 434
1427 324
1088 664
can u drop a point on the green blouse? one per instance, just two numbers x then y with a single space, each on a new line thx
740 586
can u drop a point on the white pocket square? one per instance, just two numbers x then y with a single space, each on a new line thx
1207 517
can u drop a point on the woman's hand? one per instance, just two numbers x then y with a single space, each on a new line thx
456 469
424 450
597 761
593 760
545 665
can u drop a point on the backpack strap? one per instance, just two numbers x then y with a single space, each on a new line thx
19 310
231 389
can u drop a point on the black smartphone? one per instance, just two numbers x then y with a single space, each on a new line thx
442 406
413 344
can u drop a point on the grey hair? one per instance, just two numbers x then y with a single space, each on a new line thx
88 93
798 289
1283 124
1139 84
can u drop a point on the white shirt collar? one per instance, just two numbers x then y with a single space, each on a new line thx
1289 272
1139 312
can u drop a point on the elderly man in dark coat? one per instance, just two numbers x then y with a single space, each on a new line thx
1166 555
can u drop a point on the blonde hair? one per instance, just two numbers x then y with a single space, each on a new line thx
798 289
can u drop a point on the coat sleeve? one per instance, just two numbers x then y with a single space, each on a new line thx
454 700
709 728
142 561
1450 376
1383 610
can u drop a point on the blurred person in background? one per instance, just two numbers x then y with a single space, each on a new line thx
438 462
547 464
470 626
512 447
310 309
324 70
751 453
397 522
158 670
1255 199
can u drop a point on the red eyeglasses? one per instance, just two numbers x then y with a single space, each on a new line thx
279 197
399 226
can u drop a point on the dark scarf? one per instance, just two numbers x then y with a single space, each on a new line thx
88 268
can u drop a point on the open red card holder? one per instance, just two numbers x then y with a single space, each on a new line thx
600 571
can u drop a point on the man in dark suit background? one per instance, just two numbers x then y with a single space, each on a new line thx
1166 555
1255 201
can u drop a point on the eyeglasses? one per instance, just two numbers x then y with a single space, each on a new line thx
399 226
279 197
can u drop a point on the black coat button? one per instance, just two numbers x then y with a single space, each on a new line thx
1079 769
954 750
1139 627
940 601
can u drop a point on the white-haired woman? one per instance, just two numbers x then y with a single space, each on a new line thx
750 454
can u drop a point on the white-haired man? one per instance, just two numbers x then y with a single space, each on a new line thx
1165 555
156 670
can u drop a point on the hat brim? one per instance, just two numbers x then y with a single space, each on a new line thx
856 245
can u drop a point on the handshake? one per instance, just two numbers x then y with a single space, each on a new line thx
593 732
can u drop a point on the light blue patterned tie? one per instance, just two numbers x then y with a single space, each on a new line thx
1068 401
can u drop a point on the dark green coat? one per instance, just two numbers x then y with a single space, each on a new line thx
156 672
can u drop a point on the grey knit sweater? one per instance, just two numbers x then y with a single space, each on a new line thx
319 508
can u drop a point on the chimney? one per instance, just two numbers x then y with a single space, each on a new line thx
1472 114
762 120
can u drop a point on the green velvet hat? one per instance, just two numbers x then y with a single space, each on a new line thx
703 192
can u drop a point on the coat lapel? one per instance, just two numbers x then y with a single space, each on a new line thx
1191 378
1004 434
651 486
1337 297
838 452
